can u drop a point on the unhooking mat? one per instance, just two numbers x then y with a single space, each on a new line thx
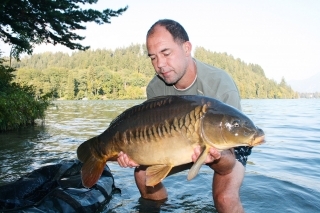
57 188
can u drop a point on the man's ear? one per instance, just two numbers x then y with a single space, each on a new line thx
187 47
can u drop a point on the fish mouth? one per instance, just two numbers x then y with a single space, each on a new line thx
258 138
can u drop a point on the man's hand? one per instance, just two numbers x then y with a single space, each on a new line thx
221 162
213 155
125 161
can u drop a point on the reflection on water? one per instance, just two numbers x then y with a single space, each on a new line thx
282 175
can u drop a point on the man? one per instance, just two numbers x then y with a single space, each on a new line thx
178 73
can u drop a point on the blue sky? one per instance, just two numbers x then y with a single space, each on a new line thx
282 36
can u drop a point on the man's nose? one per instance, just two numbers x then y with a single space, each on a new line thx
161 62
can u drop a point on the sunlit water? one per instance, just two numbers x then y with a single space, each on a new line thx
282 175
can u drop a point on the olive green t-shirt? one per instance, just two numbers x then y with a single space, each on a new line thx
211 82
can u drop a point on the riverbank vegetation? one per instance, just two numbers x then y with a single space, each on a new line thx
26 23
124 73
19 105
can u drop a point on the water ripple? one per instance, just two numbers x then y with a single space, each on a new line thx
282 175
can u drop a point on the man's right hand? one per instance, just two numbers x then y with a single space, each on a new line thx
213 155
125 161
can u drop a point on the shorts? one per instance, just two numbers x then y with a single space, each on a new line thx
242 153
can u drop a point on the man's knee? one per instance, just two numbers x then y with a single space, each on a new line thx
157 192
228 202
226 190
226 198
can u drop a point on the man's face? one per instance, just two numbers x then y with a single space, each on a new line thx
168 58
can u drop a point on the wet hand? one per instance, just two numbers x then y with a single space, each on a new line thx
125 161
213 155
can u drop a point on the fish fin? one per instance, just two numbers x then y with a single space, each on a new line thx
196 166
91 171
155 174
93 166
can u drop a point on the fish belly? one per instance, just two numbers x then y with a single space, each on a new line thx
168 150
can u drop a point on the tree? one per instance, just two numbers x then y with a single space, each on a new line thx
24 23
18 104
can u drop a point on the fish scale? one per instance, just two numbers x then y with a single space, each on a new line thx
162 133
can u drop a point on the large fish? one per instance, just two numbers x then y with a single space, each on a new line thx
162 133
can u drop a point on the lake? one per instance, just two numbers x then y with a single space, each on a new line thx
282 175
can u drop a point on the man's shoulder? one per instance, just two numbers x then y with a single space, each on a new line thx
205 69
217 83
210 73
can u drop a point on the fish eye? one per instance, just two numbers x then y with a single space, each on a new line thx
236 123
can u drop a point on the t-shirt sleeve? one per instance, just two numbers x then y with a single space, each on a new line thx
232 98
153 88
216 83
150 92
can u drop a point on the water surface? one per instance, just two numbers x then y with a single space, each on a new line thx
282 175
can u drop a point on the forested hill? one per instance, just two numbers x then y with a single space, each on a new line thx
250 78
124 73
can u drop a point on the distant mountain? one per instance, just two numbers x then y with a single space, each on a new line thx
309 85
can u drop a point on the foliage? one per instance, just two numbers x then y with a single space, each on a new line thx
24 23
250 78
125 72
19 106
99 74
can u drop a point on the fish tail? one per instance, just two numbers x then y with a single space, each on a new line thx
93 164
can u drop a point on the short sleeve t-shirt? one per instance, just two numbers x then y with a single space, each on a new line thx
210 81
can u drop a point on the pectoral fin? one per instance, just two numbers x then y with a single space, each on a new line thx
155 174
196 166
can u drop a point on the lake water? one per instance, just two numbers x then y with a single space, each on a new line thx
282 175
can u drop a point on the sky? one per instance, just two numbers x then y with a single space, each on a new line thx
282 36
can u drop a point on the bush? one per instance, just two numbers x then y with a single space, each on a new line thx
19 105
